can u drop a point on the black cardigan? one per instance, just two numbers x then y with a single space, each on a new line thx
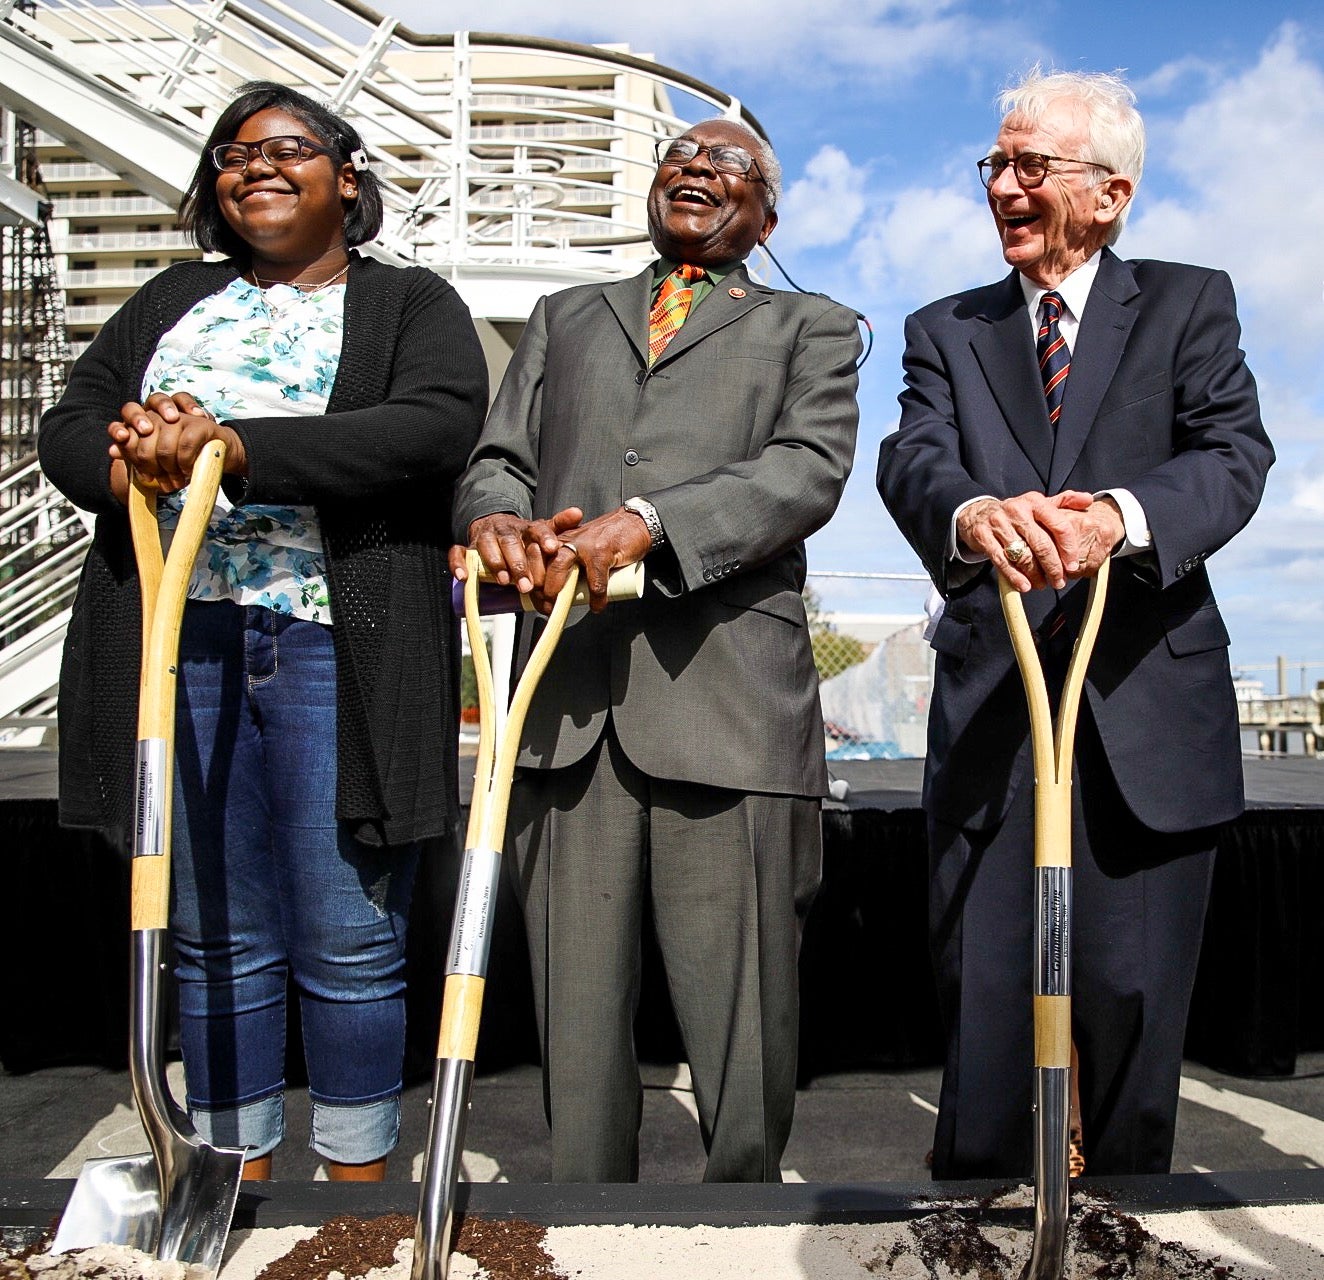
378 466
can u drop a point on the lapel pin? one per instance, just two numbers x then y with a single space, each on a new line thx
736 293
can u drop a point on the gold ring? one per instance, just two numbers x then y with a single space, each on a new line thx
1017 551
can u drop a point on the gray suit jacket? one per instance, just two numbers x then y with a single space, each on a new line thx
742 435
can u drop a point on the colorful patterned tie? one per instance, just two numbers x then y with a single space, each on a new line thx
670 309
1054 356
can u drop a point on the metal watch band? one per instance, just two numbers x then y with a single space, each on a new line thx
647 512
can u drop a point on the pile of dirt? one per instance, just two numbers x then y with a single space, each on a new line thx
1110 1245
509 1249
345 1247
1103 1243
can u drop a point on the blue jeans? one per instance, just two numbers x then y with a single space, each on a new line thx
268 887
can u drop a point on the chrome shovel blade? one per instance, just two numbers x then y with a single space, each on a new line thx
199 1205
114 1201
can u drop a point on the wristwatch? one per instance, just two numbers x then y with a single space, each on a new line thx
647 512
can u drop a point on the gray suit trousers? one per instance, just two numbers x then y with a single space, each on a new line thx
729 879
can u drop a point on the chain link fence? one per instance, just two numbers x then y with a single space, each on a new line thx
875 667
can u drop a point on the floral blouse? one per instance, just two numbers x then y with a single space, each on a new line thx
246 353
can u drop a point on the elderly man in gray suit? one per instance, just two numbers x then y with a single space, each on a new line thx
673 758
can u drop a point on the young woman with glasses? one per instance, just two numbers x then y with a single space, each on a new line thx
316 717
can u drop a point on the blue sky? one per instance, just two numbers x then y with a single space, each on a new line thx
879 109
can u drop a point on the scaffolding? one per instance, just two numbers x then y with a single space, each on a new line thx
41 537
34 348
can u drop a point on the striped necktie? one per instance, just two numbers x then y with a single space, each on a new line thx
1054 355
670 309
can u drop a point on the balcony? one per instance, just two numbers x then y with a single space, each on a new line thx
561 129
544 196
122 241
493 101
111 206
53 171
111 277
98 313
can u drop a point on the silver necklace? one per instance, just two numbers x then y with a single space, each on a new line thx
301 291
302 288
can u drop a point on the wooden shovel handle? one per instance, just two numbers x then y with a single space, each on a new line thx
496 760
462 1000
1052 749
164 585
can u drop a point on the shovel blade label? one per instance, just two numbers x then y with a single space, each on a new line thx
149 798
1052 974
471 934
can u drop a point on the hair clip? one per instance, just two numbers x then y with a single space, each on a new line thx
359 159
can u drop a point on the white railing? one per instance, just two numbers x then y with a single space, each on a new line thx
42 544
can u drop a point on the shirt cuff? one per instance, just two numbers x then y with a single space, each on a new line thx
956 549
1137 537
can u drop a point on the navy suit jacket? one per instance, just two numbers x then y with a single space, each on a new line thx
1159 401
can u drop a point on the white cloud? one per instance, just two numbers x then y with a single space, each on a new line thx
1286 405
1308 497
1238 176
1249 157
1173 75
927 242
899 39
824 206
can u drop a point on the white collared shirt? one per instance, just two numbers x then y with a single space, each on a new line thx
1074 292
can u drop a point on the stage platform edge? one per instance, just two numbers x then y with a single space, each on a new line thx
30 1206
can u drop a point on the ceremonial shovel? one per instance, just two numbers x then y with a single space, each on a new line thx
1052 932
177 1200
471 938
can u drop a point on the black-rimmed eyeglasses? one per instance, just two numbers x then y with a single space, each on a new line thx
725 157
1031 167
281 152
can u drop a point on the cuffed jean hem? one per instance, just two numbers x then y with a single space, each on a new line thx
258 1126
356 1134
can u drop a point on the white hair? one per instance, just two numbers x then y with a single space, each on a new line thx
761 149
1116 133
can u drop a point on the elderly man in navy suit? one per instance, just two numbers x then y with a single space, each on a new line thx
1083 407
